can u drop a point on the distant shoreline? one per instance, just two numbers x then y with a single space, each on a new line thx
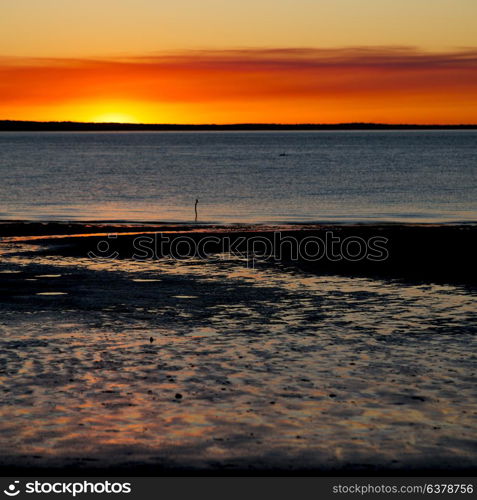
67 126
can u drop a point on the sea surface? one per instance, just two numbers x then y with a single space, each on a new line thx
251 177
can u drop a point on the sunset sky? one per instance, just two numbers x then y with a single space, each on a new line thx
218 61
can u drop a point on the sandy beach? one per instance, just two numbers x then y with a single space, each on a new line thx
218 366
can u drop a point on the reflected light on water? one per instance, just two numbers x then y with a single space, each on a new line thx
306 369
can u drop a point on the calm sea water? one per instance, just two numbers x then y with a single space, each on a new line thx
240 176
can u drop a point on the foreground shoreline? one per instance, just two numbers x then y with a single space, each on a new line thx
441 253
24 227
216 367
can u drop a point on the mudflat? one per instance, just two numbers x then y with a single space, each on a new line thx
237 362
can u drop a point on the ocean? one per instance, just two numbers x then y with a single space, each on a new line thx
249 177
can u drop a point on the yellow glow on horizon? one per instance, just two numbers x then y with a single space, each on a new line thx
114 117
129 111
126 111
108 111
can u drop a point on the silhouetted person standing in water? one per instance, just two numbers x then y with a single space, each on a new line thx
195 208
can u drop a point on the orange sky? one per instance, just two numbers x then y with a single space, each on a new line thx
147 61
286 86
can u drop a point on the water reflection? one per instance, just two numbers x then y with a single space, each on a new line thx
272 366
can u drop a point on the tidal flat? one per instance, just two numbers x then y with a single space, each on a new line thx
222 367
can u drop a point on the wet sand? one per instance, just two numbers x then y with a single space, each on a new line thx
212 366
437 253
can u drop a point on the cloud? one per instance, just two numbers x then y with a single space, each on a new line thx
359 76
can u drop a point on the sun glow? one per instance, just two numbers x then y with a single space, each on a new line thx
247 86
114 117
125 111
108 111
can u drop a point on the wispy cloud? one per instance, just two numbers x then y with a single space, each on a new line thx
245 76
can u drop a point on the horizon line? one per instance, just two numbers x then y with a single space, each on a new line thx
12 125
